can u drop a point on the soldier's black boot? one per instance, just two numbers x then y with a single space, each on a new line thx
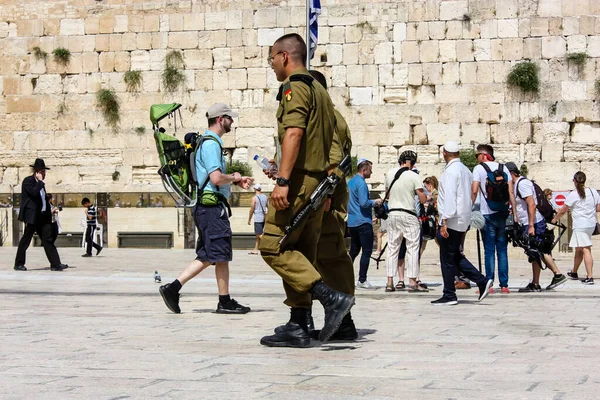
346 331
292 334
336 305
296 314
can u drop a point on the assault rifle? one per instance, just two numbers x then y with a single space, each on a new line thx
325 188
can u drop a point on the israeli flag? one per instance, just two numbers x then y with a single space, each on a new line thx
314 11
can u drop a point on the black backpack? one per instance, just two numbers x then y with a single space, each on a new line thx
496 188
543 205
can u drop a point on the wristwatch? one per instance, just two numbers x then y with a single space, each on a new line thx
282 181
442 223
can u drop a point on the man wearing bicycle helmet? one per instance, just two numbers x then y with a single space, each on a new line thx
402 185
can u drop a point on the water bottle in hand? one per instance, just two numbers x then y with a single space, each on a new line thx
264 163
157 277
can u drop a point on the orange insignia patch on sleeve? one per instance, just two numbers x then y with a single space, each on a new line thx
288 94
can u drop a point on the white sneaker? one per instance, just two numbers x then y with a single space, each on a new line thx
364 285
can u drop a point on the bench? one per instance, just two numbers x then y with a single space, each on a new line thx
145 240
64 239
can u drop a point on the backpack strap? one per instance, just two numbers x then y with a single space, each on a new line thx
398 173
204 138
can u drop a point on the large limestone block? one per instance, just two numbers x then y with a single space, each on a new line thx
257 78
483 49
371 153
507 152
122 61
410 52
553 47
594 46
424 94
432 74
489 29
350 56
70 27
237 79
508 28
450 10
532 48
533 153
574 90
399 32
23 104
539 27
140 60
437 30
441 133
512 49
361 96
586 133
383 53
465 50
512 132
343 15
551 132
393 75
576 43
198 59
265 18
447 50
221 58
454 30
253 137
266 37
107 62
580 152
474 133
388 155
468 72
183 40
429 51
335 54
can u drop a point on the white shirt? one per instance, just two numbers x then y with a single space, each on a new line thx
402 194
583 210
43 196
523 189
454 196
480 175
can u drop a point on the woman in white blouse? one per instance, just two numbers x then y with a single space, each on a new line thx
584 203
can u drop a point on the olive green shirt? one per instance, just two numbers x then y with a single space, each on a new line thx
308 108
342 142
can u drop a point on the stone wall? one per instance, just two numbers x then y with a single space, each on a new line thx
406 74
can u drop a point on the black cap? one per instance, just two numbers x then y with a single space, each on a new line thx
512 167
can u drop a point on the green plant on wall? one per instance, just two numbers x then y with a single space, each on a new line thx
578 59
597 88
62 108
140 130
108 103
38 53
241 167
173 77
133 81
468 158
354 166
525 76
62 56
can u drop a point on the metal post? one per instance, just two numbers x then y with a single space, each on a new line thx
308 34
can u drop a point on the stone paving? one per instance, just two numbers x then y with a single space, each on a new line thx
100 330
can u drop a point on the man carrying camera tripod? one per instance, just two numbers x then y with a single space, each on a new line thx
534 226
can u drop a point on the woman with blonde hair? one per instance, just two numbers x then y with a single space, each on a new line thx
584 203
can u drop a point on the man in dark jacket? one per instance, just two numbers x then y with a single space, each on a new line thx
36 214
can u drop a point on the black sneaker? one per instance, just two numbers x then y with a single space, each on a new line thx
99 250
588 281
530 288
20 268
232 307
58 267
443 301
86 255
171 299
484 290
573 275
556 280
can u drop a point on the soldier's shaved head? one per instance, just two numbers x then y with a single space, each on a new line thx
294 46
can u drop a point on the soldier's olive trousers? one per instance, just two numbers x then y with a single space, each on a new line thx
294 259
333 261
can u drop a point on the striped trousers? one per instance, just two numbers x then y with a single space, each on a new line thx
403 225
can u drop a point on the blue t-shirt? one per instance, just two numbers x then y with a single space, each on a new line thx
359 205
209 159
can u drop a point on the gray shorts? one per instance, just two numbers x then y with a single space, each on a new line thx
214 234
259 228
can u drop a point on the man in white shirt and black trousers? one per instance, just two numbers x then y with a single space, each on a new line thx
454 207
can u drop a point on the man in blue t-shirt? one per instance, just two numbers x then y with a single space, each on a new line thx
360 220
211 214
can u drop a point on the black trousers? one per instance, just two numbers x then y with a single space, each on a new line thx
454 263
89 242
44 231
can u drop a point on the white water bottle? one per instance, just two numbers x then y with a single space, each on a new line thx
264 163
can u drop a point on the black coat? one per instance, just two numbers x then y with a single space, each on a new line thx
32 203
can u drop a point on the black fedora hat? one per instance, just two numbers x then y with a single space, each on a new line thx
39 164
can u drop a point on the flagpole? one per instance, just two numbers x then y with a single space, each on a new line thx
308 34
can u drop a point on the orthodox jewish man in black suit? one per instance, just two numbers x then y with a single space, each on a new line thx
36 214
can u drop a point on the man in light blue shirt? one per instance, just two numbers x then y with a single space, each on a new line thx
360 220
211 214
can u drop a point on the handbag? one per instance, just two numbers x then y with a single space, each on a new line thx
381 211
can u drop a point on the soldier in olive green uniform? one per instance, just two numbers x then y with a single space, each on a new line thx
305 120
333 261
